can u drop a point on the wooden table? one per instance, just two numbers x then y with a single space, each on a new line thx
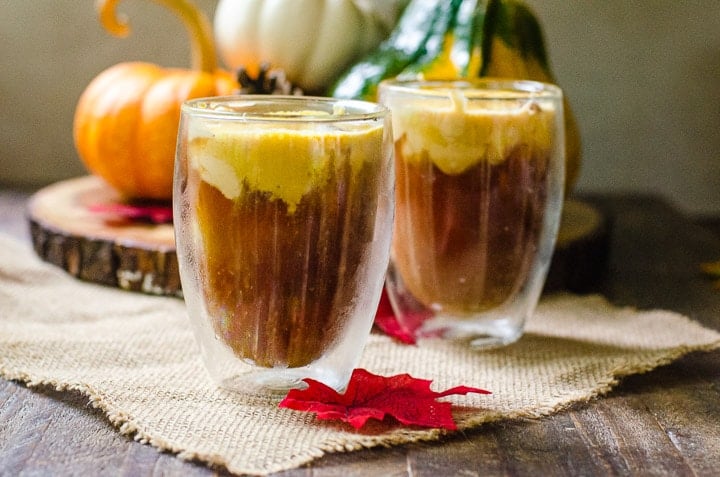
666 422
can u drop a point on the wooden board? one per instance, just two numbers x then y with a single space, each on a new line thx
141 257
97 247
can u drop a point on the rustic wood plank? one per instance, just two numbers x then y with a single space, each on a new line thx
683 402
475 452
638 443
45 432
386 462
655 259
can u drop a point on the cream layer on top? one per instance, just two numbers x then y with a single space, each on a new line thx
285 160
455 137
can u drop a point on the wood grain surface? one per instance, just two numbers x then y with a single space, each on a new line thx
100 247
665 422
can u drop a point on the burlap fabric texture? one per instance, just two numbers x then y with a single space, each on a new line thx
136 359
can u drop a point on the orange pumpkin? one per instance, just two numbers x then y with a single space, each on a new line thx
126 120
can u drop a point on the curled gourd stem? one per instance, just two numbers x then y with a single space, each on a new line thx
197 24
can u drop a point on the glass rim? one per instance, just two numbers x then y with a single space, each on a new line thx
473 88
348 109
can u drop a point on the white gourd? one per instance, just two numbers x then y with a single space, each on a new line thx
313 41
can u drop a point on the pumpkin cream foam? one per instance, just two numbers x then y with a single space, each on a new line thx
283 161
462 135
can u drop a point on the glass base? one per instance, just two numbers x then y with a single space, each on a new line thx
477 332
491 328
246 378
272 381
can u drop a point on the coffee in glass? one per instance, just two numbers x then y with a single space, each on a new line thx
479 186
283 211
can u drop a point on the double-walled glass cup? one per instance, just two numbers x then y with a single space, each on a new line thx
479 190
283 218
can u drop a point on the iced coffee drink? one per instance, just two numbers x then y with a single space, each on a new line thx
477 203
286 231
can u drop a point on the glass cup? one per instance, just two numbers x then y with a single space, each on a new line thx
479 170
283 218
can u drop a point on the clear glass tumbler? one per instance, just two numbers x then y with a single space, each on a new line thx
479 190
283 219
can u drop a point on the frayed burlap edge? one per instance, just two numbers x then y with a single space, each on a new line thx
127 426
465 423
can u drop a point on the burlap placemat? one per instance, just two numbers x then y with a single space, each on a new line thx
135 357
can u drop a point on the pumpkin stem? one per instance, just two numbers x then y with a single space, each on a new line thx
196 22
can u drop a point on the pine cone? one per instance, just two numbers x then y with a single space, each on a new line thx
268 81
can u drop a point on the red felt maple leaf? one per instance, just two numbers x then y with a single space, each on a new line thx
407 399
153 213
387 321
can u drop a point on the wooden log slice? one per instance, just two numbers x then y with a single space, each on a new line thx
100 247
141 257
